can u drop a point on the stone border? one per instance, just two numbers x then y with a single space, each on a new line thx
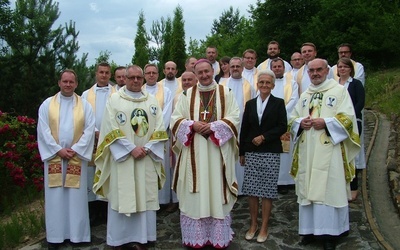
393 160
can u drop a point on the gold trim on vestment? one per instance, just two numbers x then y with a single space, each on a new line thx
73 173
91 98
159 136
108 139
222 100
349 168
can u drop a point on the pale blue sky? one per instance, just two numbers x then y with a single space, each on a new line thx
111 25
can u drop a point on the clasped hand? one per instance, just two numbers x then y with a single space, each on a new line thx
316 123
258 140
66 153
202 128
139 152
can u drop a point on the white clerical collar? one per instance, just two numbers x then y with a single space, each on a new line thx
169 81
249 70
235 81
67 98
102 88
134 94
151 86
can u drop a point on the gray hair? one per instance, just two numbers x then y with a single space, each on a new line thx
267 72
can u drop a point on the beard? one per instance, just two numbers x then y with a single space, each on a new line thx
170 77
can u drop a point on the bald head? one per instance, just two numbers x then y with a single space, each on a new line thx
170 70
188 80
318 70
296 60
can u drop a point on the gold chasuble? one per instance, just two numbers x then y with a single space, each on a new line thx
130 185
318 161
72 179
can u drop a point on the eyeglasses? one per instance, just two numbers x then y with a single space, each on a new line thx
151 73
265 83
132 78
317 70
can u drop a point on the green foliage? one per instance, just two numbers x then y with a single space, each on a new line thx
178 45
165 51
33 53
229 33
383 91
194 49
157 37
141 56
281 21
19 226
21 168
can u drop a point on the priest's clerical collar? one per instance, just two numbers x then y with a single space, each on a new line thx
97 85
279 77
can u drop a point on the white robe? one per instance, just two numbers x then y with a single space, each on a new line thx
236 86
286 157
173 85
102 94
166 194
66 209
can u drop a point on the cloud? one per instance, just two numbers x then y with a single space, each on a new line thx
94 8
115 29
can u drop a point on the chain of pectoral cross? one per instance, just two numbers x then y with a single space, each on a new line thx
205 112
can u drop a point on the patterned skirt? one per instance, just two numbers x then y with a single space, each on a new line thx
261 175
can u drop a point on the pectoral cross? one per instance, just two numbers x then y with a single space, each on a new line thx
204 113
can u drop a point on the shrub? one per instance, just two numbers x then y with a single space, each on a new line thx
21 169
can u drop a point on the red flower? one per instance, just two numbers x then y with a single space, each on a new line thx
10 145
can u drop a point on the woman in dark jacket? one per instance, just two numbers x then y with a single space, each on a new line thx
345 69
264 121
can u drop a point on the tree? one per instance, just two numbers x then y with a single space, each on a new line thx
165 51
195 49
178 45
230 33
361 23
141 56
30 61
157 38
281 21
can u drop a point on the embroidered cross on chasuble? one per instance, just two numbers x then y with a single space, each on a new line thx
207 106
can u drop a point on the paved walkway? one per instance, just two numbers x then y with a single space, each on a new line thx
282 228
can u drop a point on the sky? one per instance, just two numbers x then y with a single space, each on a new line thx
112 24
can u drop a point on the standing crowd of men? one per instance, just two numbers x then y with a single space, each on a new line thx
121 151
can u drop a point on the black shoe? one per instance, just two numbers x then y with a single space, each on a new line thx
53 246
329 245
307 239
283 189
